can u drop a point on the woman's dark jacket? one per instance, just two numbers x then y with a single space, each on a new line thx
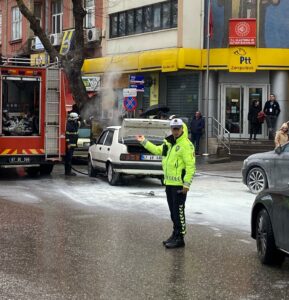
253 114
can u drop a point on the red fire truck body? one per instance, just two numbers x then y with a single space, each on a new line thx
32 117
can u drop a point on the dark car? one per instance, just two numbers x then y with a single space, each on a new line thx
270 225
267 169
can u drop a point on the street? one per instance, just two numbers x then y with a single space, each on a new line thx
79 238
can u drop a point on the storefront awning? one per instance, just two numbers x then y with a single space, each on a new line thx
165 60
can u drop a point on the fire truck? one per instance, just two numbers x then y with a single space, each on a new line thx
32 116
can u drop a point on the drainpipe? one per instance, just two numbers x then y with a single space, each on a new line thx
46 28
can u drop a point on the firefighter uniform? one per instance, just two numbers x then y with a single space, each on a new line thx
178 162
71 137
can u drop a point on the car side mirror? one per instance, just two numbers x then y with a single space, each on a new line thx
278 150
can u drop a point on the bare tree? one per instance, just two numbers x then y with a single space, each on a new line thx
71 62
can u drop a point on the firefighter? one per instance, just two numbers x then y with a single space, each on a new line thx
178 161
71 137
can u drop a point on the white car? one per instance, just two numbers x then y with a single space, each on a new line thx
118 153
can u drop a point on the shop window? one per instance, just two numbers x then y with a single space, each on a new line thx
20 102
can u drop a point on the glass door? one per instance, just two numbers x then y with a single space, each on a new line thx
235 105
233 110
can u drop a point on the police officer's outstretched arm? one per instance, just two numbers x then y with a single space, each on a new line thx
154 149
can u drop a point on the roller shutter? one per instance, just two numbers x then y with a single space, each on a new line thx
183 94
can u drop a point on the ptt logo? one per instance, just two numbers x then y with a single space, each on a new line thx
244 60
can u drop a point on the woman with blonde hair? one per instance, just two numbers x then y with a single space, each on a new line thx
281 136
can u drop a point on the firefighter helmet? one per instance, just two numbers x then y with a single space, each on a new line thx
73 116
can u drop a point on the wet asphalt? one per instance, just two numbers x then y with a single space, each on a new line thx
54 248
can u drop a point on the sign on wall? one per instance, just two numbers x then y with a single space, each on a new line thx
242 32
243 59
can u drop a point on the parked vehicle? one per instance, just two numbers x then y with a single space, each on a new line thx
117 152
32 116
267 170
270 225
83 143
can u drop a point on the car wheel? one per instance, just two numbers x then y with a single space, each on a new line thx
113 178
267 251
90 168
256 180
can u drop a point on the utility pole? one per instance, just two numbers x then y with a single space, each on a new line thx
207 88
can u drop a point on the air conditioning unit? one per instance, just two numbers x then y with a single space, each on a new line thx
92 34
32 43
55 39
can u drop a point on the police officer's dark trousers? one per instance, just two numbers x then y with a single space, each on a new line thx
176 201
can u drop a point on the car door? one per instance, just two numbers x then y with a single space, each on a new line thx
280 173
281 219
106 148
97 155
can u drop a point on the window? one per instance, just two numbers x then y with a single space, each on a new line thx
90 16
102 138
108 140
138 21
57 16
121 24
147 24
174 13
158 16
130 22
16 24
113 25
166 10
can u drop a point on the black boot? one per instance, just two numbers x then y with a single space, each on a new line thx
177 242
171 238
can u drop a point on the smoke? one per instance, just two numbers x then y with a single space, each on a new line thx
104 106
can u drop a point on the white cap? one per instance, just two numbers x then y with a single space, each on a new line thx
73 116
176 123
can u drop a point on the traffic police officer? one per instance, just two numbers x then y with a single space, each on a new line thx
178 162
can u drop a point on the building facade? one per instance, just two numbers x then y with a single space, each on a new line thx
154 46
56 18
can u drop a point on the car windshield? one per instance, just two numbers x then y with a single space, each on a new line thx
84 132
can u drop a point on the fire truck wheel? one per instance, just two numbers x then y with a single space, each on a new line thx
32 171
46 169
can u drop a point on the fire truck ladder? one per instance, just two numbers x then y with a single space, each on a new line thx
52 114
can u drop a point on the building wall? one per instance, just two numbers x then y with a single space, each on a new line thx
22 46
188 34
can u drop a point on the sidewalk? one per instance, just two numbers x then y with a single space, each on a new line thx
202 164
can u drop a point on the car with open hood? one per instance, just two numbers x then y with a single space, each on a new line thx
117 152
267 170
